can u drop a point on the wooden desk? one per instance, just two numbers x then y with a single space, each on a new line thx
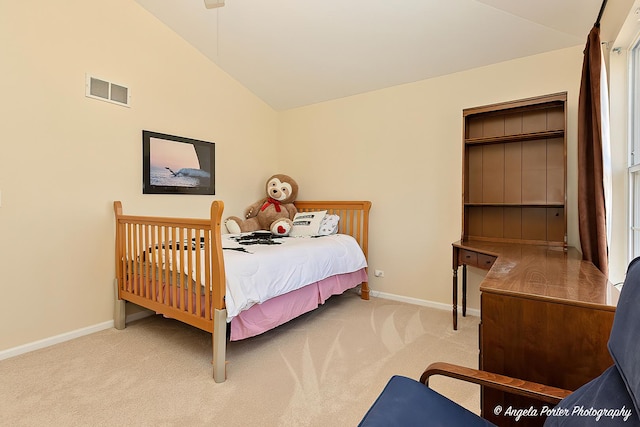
545 315
464 255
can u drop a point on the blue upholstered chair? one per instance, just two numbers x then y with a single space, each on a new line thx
406 402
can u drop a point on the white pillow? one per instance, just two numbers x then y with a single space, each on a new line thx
329 225
307 223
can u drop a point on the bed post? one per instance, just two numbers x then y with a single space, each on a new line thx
218 289
364 291
119 311
119 314
364 288
219 345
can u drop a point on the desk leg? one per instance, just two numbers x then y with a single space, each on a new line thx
455 299
464 289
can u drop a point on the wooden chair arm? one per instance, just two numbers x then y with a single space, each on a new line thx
499 382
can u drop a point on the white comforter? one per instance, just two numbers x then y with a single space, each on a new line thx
266 271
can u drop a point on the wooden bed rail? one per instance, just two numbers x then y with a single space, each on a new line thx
157 267
354 221
146 251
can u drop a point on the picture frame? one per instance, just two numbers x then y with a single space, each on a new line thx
177 165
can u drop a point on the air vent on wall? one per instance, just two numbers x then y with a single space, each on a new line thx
107 91
211 4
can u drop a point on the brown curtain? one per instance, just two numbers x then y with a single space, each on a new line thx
591 198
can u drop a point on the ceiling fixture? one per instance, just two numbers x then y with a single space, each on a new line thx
211 4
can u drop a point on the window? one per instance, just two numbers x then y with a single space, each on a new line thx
634 152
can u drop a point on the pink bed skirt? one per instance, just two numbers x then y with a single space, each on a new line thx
276 311
260 318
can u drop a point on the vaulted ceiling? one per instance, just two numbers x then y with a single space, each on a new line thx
292 53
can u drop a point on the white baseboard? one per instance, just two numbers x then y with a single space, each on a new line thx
67 336
425 303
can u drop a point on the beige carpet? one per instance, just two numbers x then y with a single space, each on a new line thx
322 369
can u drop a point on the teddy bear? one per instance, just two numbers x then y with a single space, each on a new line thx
274 212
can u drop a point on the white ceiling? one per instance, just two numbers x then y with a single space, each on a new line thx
292 53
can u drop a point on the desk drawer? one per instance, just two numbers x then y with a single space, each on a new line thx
475 259
468 257
485 261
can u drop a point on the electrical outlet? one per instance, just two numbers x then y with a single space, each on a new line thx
378 273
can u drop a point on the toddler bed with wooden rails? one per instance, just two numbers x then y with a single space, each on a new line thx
188 270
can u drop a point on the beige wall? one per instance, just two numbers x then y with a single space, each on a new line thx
401 148
65 158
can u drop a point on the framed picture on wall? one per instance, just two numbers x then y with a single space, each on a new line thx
177 165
